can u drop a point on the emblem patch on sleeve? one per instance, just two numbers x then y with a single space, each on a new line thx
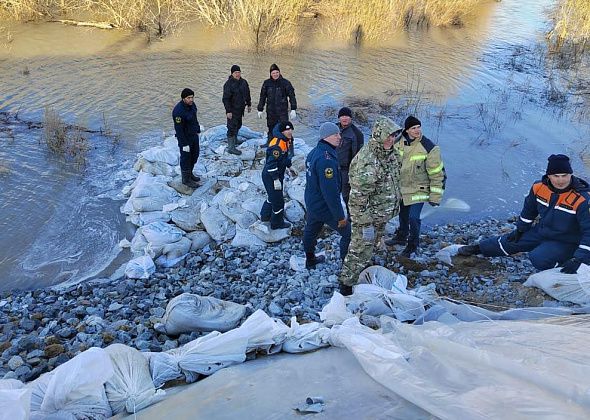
329 173
178 120
276 153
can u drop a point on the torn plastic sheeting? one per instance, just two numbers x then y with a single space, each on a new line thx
573 288
446 254
500 369
15 400
373 300
189 312
131 387
74 389
302 338
335 312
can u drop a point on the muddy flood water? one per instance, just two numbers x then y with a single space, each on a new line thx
487 92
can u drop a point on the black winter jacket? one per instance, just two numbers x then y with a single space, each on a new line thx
277 95
236 95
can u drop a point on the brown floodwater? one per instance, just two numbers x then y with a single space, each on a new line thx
481 91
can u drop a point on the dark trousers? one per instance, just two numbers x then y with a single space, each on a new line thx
272 120
410 223
273 208
543 253
312 230
345 184
235 123
188 160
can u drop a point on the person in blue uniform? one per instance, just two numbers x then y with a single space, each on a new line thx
187 128
323 195
278 159
561 234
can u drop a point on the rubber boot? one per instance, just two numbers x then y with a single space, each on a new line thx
409 250
311 260
188 181
469 250
282 225
398 239
345 290
195 178
231 148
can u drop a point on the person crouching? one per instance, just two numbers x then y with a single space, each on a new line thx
278 159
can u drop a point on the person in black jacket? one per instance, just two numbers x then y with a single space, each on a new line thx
236 97
187 130
352 141
277 94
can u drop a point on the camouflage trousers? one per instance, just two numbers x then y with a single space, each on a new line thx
360 252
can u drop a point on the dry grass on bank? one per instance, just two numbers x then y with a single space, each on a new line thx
62 140
572 25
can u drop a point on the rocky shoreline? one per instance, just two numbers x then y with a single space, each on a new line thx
44 328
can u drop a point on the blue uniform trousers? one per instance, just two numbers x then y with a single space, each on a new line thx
543 253
312 230
273 209
409 222
189 159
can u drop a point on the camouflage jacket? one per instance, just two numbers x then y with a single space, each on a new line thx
375 178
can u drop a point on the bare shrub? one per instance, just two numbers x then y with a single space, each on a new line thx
63 140
571 29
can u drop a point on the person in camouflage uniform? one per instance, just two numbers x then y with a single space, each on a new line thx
374 197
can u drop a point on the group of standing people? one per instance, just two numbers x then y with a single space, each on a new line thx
355 189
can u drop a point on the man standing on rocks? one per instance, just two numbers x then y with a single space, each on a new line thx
352 141
561 236
187 130
323 199
277 94
423 180
374 198
236 97
278 159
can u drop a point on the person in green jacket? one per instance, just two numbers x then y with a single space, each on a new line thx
374 198
423 180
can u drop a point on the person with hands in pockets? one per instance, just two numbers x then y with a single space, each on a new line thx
278 159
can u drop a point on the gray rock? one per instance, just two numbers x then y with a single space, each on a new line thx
15 362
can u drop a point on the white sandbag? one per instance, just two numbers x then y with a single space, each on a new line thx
245 239
154 168
263 332
297 192
384 278
131 387
139 244
294 211
446 254
302 338
159 233
188 219
263 231
74 390
573 288
15 400
335 312
145 218
199 239
168 155
188 312
177 249
217 225
151 195
374 300
140 268
253 204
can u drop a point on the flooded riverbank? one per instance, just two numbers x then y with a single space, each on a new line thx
485 92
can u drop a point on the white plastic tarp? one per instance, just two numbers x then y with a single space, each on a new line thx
573 288
483 370
15 400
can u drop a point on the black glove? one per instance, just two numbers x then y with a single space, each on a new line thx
571 266
514 236
433 204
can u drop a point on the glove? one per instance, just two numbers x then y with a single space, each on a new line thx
186 149
342 223
292 114
249 108
369 233
433 204
259 114
277 184
229 115
514 236
201 128
571 266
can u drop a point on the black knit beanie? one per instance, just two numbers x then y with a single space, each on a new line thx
411 121
274 67
186 92
559 164
345 111
235 67
285 125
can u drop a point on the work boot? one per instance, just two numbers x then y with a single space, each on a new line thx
398 239
409 250
231 147
345 290
469 250
282 225
188 181
311 260
195 178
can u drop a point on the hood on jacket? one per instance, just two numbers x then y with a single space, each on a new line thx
276 133
382 128
577 184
